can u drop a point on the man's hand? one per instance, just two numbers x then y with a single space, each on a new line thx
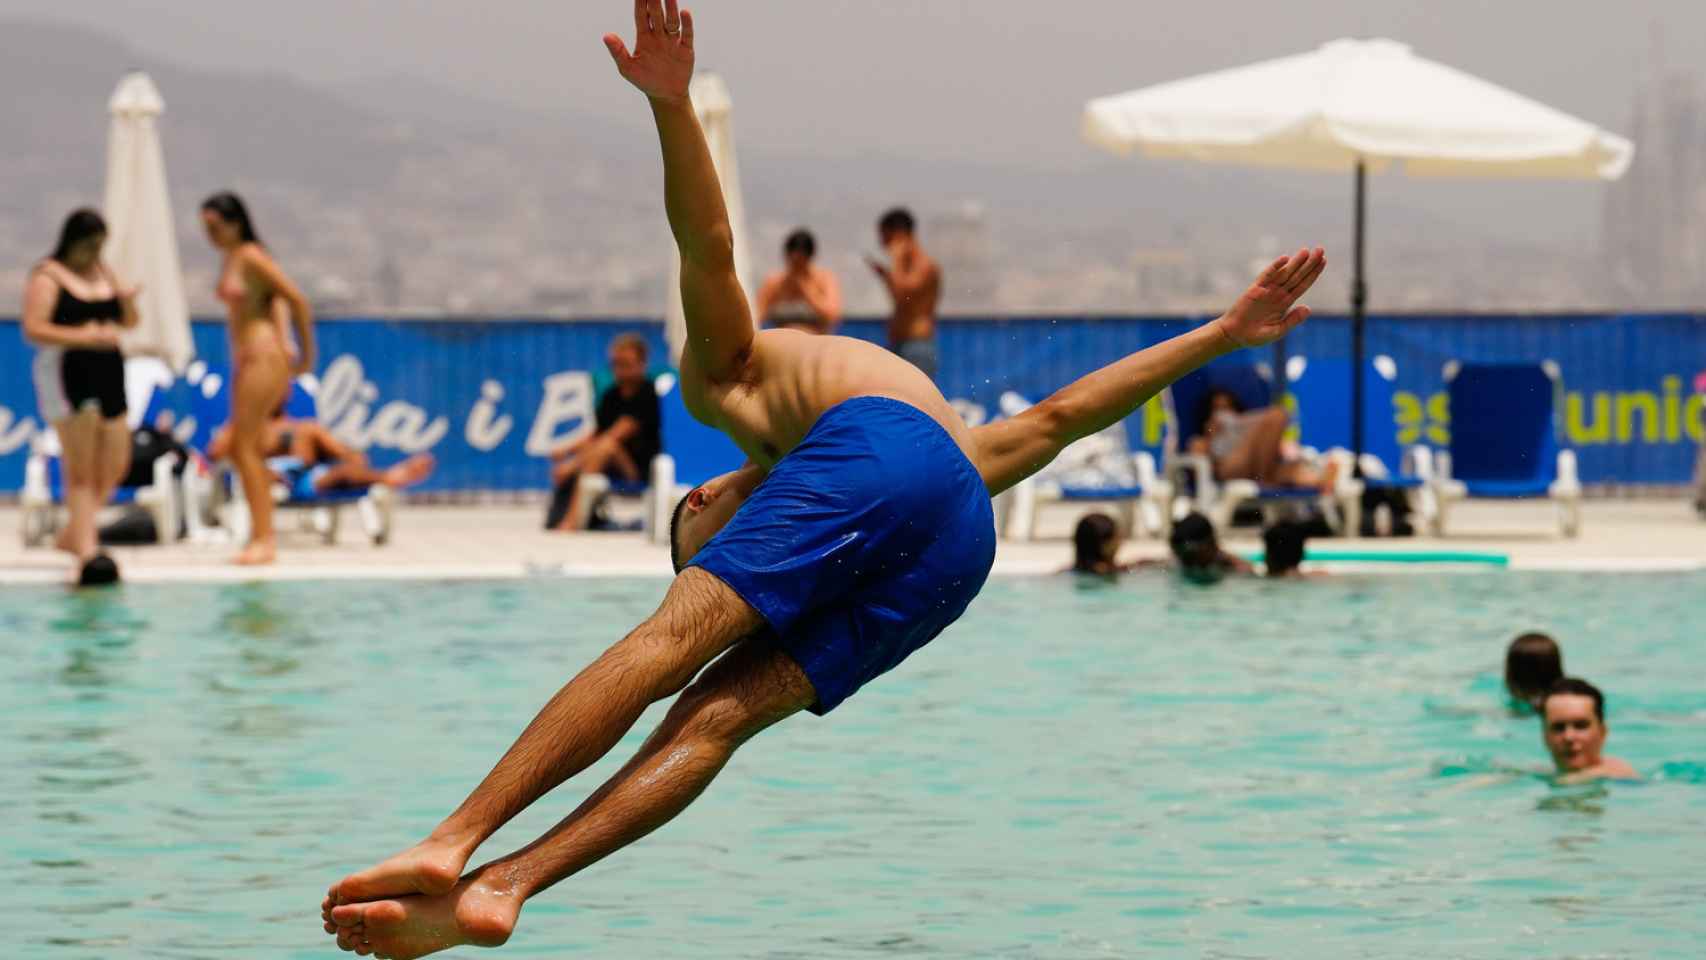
1265 312
661 65
879 268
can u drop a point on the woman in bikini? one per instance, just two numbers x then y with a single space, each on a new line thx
1251 445
802 295
263 359
74 311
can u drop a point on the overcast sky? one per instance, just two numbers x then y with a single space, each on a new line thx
998 79
999 82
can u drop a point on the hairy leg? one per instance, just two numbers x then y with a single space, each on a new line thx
749 689
700 618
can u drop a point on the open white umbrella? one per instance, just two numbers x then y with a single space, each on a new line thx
142 243
1356 105
712 103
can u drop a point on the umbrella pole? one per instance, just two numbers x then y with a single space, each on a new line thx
1359 303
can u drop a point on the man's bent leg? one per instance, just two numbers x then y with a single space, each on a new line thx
700 617
751 688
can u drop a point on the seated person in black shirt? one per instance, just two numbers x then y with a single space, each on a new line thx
624 443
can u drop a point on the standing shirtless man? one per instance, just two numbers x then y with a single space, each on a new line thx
914 282
860 530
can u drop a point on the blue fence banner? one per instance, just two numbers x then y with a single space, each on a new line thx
490 398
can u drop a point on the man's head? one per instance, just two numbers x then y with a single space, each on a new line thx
1572 720
1195 547
705 510
1532 665
628 354
1283 548
897 224
799 249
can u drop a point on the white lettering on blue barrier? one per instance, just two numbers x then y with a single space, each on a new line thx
15 434
568 398
344 404
485 429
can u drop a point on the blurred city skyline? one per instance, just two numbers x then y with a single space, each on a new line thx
967 111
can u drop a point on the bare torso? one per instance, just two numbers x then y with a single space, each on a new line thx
914 316
792 377
249 314
785 305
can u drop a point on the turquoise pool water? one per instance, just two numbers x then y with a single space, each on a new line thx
1075 770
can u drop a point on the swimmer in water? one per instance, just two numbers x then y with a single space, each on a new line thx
1572 721
858 464
1533 663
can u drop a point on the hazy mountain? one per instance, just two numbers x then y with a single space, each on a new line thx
483 207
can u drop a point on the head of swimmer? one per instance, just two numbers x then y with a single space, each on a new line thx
1196 547
798 251
226 219
1572 721
80 240
1533 663
1095 543
706 509
628 355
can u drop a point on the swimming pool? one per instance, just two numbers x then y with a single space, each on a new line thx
1075 770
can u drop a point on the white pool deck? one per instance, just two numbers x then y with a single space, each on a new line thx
505 542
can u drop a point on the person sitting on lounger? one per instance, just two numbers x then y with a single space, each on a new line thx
1250 445
310 462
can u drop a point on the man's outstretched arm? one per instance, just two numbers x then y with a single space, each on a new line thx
719 324
1011 450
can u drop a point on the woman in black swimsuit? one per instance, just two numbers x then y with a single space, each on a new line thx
74 311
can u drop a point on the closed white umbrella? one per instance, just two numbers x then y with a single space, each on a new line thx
1356 105
142 243
712 103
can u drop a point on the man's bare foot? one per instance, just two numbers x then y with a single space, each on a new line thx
410 471
258 553
476 912
431 867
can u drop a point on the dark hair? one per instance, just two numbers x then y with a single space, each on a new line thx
1533 663
676 560
801 242
1191 530
82 224
1090 541
1283 547
230 207
634 342
99 571
1576 686
897 220
1207 409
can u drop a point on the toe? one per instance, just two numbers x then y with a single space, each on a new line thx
384 913
349 914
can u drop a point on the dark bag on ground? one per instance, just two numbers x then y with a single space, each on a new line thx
146 446
134 526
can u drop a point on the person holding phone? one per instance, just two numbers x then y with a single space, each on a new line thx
914 282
